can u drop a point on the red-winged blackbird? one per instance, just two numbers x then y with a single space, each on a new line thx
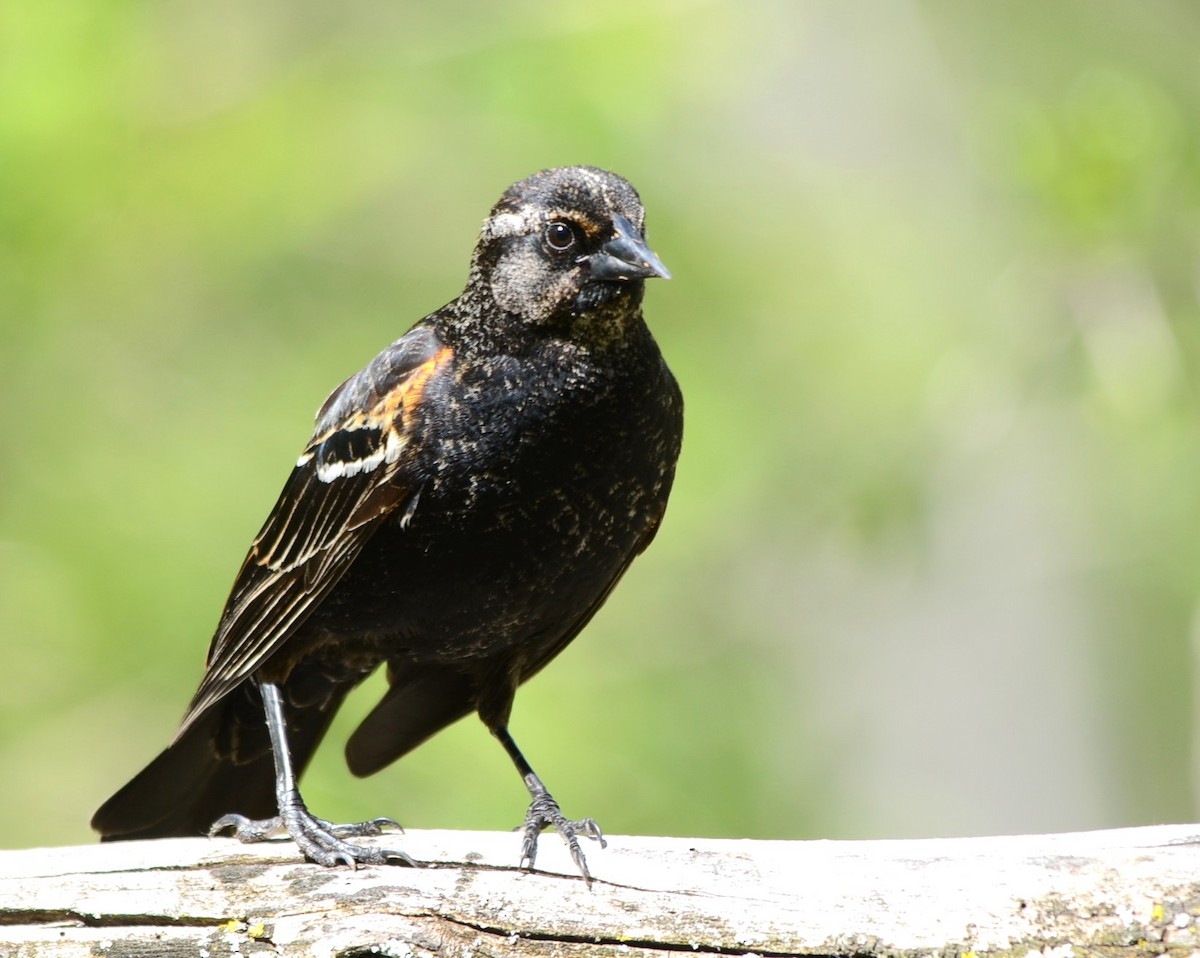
465 505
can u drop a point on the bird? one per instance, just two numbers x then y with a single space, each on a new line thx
466 503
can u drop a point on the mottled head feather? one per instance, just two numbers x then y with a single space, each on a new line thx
529 281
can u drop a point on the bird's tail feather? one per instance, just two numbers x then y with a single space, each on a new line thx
221 764
421 701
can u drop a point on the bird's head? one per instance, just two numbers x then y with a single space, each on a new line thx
566 243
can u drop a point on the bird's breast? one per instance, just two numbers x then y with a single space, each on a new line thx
535 491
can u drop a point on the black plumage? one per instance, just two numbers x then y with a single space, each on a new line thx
465 505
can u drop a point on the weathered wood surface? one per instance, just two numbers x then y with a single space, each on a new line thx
1128 891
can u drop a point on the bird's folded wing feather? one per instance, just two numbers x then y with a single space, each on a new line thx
350 476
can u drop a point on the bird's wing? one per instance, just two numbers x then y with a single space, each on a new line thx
351 475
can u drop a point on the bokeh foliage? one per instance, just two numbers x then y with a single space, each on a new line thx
933 558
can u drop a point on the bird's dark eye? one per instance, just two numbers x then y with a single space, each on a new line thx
560 237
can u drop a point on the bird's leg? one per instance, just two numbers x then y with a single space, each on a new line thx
544 813
319 840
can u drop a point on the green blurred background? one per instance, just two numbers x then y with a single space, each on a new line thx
933 558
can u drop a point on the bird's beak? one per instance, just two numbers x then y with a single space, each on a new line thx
626 256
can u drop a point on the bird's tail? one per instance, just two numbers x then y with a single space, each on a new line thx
221 764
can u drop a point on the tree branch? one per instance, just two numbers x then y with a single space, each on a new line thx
1127 891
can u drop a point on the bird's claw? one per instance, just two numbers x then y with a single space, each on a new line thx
544 813
321 841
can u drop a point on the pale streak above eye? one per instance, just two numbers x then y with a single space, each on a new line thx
506 224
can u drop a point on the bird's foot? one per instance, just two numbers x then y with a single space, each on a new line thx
320 841
544 813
